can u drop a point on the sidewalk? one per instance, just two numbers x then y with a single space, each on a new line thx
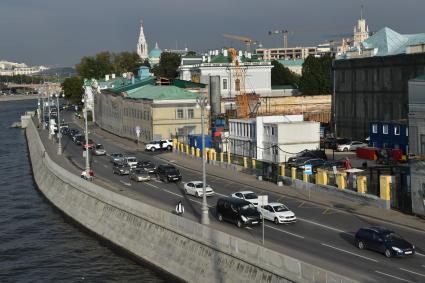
336 203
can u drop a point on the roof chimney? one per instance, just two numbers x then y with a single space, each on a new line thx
106 77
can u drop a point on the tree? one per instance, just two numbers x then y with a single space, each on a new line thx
168 64
95 67
127 62
191 53
282 75
316 75
73 89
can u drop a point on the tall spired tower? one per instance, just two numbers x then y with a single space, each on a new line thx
142 45
361 30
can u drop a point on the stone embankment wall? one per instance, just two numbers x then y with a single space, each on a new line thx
17 97
183 248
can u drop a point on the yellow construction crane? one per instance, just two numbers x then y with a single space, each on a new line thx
248 41
243 100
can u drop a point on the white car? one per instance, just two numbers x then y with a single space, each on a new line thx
350 146
195 188
277 212
99 150
248 196
131 161
159 145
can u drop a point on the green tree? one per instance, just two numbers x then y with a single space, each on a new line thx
191 53
282 75
96 67
73 89
168 64
316 75
127 62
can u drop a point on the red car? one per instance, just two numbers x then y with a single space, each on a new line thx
89 144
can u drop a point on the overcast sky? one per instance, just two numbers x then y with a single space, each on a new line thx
60 32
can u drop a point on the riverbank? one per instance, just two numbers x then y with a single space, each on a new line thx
4 98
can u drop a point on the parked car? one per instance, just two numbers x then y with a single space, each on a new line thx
278 213
99 149
73 132
131 161
313 154
328 165
116 157
296 161
247 195
195 188
147 166
350 146
168 173
139 175
238 211
314 162
121 168
384 241
158 145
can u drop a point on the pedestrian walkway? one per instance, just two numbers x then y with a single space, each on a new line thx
327 201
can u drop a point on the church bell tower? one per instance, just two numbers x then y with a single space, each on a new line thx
142 45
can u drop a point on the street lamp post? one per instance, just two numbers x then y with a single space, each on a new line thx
59 125
48 124
202 103
86 137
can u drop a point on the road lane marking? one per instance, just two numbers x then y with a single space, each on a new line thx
348 252
423 275
423 265
419 254
286 232
389 275
220 194
152 185
301 204
323 226
125 183
106 166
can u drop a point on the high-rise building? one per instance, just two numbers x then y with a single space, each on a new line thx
142 45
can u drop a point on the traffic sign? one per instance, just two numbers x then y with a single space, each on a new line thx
263 200
307 169
137 131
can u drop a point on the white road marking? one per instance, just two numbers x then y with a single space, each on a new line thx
323 226
423 265
95 161
249 228
220 194
419 254
106 166
348 252
286 232
152 185
389 275
420 274
125 183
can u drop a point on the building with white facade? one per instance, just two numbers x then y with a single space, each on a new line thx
257 73
288 53
361 31
272 139
13 69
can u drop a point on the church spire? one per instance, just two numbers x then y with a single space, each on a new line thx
142 45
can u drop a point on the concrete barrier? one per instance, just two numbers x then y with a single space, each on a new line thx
181 247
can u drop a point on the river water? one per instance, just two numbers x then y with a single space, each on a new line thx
37 244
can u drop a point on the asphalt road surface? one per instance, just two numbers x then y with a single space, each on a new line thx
321 236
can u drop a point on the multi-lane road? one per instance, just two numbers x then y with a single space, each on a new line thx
322 236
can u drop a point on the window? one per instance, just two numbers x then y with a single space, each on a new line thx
190 113
237 85
374 128
179 113
397 130
224 83
385 129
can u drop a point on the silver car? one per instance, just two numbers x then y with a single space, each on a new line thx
99 150
139 175
117 157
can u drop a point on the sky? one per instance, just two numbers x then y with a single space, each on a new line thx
60 32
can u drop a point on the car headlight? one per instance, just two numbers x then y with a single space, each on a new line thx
413 247
281 216
397 249
244 219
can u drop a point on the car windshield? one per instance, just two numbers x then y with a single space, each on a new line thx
131 159
250 196
247 207
139 172
280 208
392 236
99 146
343 141
200 185
116 154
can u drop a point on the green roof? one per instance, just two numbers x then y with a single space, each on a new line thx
160 93
128 85
187 84
297 62
420 78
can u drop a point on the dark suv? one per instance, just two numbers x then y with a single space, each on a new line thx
384 241
238 211
168 173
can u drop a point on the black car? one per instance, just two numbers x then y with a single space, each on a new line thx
384 241
296 161
314 162
168 173
73 132
79 139
313 154
121 168
147 166
237 211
